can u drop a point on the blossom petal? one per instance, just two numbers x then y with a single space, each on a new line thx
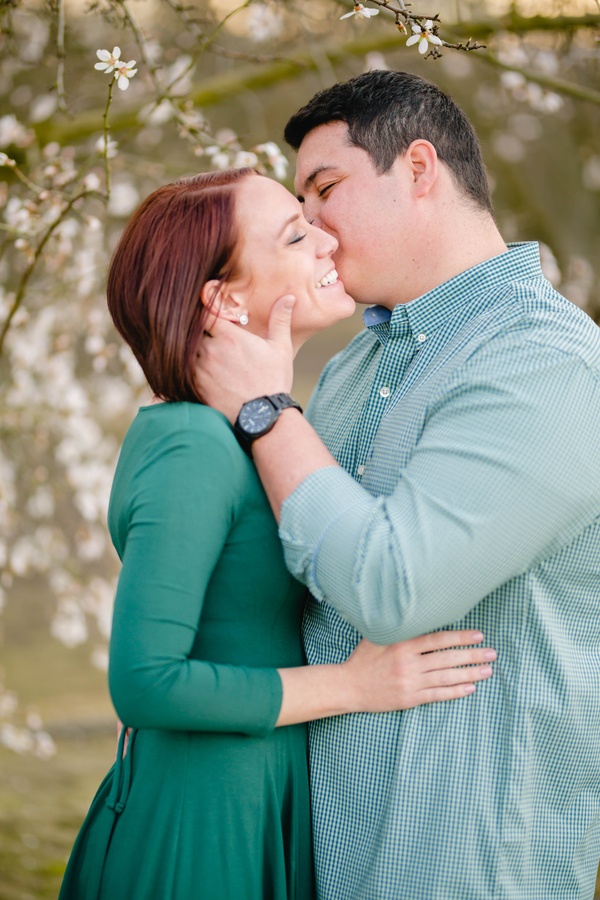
413 39
434 39
104 55
122 82
423 45
347 15
116 53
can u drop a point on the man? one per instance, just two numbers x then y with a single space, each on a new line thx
461 486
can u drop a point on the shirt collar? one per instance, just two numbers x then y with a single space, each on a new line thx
459 299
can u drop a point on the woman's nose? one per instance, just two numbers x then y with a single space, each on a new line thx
326 242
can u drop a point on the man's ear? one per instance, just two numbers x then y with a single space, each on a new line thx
422 159
222 300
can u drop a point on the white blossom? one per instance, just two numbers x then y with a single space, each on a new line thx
264 22
18 739
112 147
509 147
99 603
43 107
8 703
23 556
91 182
549 265
41 504
12 133
158 114
375 60
69 625
275 158
423 36
123 199
123 73
245 158
44 747
38 33
537 97
178 76
108 61
221 160
361 12
99 658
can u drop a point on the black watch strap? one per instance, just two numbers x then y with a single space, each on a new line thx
277 402
283 401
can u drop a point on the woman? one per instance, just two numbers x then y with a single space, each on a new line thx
206 665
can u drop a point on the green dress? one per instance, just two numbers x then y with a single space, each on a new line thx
211 800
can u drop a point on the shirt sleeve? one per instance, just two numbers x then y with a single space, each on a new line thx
505 472
182 504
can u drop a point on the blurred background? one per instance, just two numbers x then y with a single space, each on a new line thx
200 87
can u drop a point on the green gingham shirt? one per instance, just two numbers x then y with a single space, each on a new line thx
468 423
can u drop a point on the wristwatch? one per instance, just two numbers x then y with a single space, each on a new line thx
258 416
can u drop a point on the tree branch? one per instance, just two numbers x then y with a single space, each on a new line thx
228 85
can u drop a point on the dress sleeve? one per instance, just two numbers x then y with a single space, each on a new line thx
181 503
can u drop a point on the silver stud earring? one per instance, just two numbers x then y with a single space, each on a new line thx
243 318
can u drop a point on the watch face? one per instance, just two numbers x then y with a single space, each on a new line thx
256 415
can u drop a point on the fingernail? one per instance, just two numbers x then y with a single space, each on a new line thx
485 671
469 688
477 636
489 654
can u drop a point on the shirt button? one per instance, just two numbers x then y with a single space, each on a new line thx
384 392
421 337
360 470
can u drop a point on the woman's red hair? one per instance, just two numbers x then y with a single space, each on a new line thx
183 235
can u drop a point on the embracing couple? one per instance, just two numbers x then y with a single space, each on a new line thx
445 476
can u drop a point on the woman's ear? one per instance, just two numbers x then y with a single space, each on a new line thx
222 300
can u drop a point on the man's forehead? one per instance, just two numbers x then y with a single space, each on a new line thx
320 152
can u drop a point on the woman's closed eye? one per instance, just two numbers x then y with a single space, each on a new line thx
297 237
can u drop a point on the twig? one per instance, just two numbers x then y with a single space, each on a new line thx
60 56
251 57
32 264
105 133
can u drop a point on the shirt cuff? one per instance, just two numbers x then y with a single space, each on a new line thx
320 528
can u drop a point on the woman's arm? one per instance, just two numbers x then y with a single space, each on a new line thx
181 501
378 678
177 493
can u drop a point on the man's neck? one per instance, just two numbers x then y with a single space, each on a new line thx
448 252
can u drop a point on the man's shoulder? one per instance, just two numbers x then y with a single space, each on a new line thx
538 315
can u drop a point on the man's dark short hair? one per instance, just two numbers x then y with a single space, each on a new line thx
386 111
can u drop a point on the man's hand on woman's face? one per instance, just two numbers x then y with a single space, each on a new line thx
233 366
